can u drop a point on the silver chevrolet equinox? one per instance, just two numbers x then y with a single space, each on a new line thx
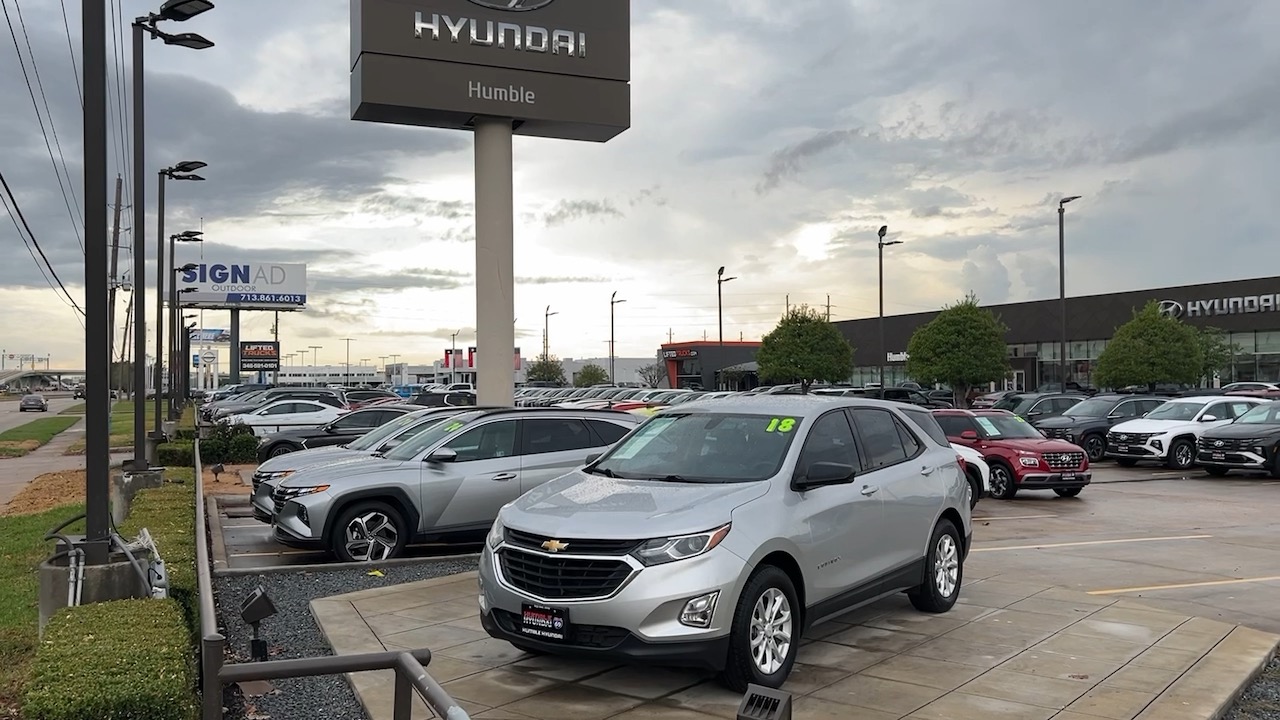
717 532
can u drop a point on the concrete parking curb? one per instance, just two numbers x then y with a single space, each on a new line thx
335 566
1210 687
218 548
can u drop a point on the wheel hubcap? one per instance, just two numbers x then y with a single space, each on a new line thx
1095 448
946 566
771 631
1182 456
371 537
999 481
280 451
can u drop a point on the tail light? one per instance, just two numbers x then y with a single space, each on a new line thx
964 466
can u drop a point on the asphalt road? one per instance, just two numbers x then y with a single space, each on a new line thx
11 418
1181 541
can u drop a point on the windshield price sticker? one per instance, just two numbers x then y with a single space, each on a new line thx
989 426
782 425
453 426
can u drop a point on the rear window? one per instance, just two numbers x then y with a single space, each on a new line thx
926 422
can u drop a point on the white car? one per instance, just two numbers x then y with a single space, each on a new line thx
285 414
974 461
1169 433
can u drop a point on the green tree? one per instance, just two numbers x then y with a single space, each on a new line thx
963 346
590 374
545 369
805 348
1217 354
1151 348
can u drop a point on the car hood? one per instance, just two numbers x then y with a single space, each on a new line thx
311 458
579 505
236 408
337 472
1145 425
1066 421
1036 445
1243 430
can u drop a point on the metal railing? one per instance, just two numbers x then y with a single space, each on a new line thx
215 673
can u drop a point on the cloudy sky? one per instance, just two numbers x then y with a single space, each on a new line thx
772 138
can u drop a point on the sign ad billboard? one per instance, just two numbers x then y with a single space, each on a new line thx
260 356
260 286
559 68
210 335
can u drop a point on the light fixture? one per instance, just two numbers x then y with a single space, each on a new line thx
187 166
186 268
182 10
253 610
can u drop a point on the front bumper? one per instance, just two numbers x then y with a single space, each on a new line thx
1056 480
1237 459
639 622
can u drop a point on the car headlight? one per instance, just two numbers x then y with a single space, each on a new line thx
497 534
682 547
1029 461
277 475
296 492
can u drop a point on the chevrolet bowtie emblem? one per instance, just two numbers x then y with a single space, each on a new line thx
554 546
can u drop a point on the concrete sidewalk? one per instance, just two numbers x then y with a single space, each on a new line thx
17 473
1007 651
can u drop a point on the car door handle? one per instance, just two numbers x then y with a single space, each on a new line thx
504 476
869 489
927 470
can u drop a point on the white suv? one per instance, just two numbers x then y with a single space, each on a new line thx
1169 433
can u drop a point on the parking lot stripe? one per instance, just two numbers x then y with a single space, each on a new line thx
1014 517
1091 542
273 554
1177 586
250 525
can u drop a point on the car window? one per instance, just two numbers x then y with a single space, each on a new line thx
830 440
880 439
354 420
929 424
709 447
1224 411
1240 408
954 425
281 409
1064 404
910 443
487 442
895 394
1147 406
548 435
1127 409
609 432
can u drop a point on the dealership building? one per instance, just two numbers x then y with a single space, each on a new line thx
1248 310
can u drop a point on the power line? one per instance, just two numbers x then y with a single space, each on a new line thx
76 217
17 211
124 158
75 71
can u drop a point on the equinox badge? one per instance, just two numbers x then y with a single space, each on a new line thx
554 546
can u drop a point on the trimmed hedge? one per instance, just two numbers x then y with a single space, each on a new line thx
230 444
122 660
168 512
179 453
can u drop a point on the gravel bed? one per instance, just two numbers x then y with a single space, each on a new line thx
1262 700
293 633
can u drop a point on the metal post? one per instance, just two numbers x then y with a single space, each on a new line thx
174 318
612 303
402 701
453 359
212 648
1062 295
115 279
720 313
140 459
275 332
235 346
883 349
160 271
97 335
495 229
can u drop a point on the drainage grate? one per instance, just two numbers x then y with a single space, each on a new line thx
762 703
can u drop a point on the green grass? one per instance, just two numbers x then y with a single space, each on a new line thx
16 442
121 426
74 410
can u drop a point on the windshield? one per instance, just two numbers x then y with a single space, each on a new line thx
702 447
248 397
1176 411
1091 408
1010 402
1265 414
376 436
1005 427
411 446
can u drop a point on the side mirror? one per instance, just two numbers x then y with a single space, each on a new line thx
443 455
593 457
1208 418
1035 413
823 474
969 435
1115 417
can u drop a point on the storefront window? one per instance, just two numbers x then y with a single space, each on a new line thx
1268 367
1267 342
1244 340
1096 347
1244 369
1049 351
1078 351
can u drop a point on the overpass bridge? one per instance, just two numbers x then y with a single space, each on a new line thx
29 376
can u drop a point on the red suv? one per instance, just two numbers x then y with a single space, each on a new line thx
1021 458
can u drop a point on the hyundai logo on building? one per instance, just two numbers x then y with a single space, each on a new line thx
1170 308
513 5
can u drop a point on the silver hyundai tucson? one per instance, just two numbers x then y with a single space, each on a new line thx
717 532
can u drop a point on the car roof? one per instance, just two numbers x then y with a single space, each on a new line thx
549 411
977 412
798 405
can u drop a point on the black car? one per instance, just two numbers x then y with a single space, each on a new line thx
1087 423
905 395
1038 406
1250 443
339 432
444 399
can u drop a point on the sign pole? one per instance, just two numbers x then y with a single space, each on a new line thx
495 233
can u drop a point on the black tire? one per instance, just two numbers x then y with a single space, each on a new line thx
1217 471
347 549
944 571
1095 446
279 449
1182 455
975 488
1126 462
741 669
1068 492
1003 484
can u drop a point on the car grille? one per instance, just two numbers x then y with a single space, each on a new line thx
1227 444
258 478
575 546
564 578
1064 460
278 499
1057 433
1128 438
587 636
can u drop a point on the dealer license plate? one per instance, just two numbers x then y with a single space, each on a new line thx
1122 448
1068 476
1218 456
544 623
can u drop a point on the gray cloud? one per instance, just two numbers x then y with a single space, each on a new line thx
559 280
985 275
389 204
347 281
567 211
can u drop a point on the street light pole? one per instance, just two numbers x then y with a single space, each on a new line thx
181 171
346 374
453 357
1062 287
880 246
613 302
175 343
720 281
546 333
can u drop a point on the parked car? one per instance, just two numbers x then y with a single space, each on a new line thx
903 395
976 470
1038 406
1170 433
990 399
1251 385
338 432
34 402
1087 423
444 399
715 534
252 401
1020 456
1252 443
280 414
445 483
363 398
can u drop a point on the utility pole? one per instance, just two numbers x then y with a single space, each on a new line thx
788 301
275 333
671 336
346 373
828 308
115 279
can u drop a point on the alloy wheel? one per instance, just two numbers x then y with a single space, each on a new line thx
371 537
1182 456
946 566
771 628
281 450
999 481
1096 447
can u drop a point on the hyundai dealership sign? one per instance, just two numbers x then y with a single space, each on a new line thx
255 286
558 68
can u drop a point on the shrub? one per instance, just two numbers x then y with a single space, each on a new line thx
213 450
168 513
244 449
180 453
124 660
